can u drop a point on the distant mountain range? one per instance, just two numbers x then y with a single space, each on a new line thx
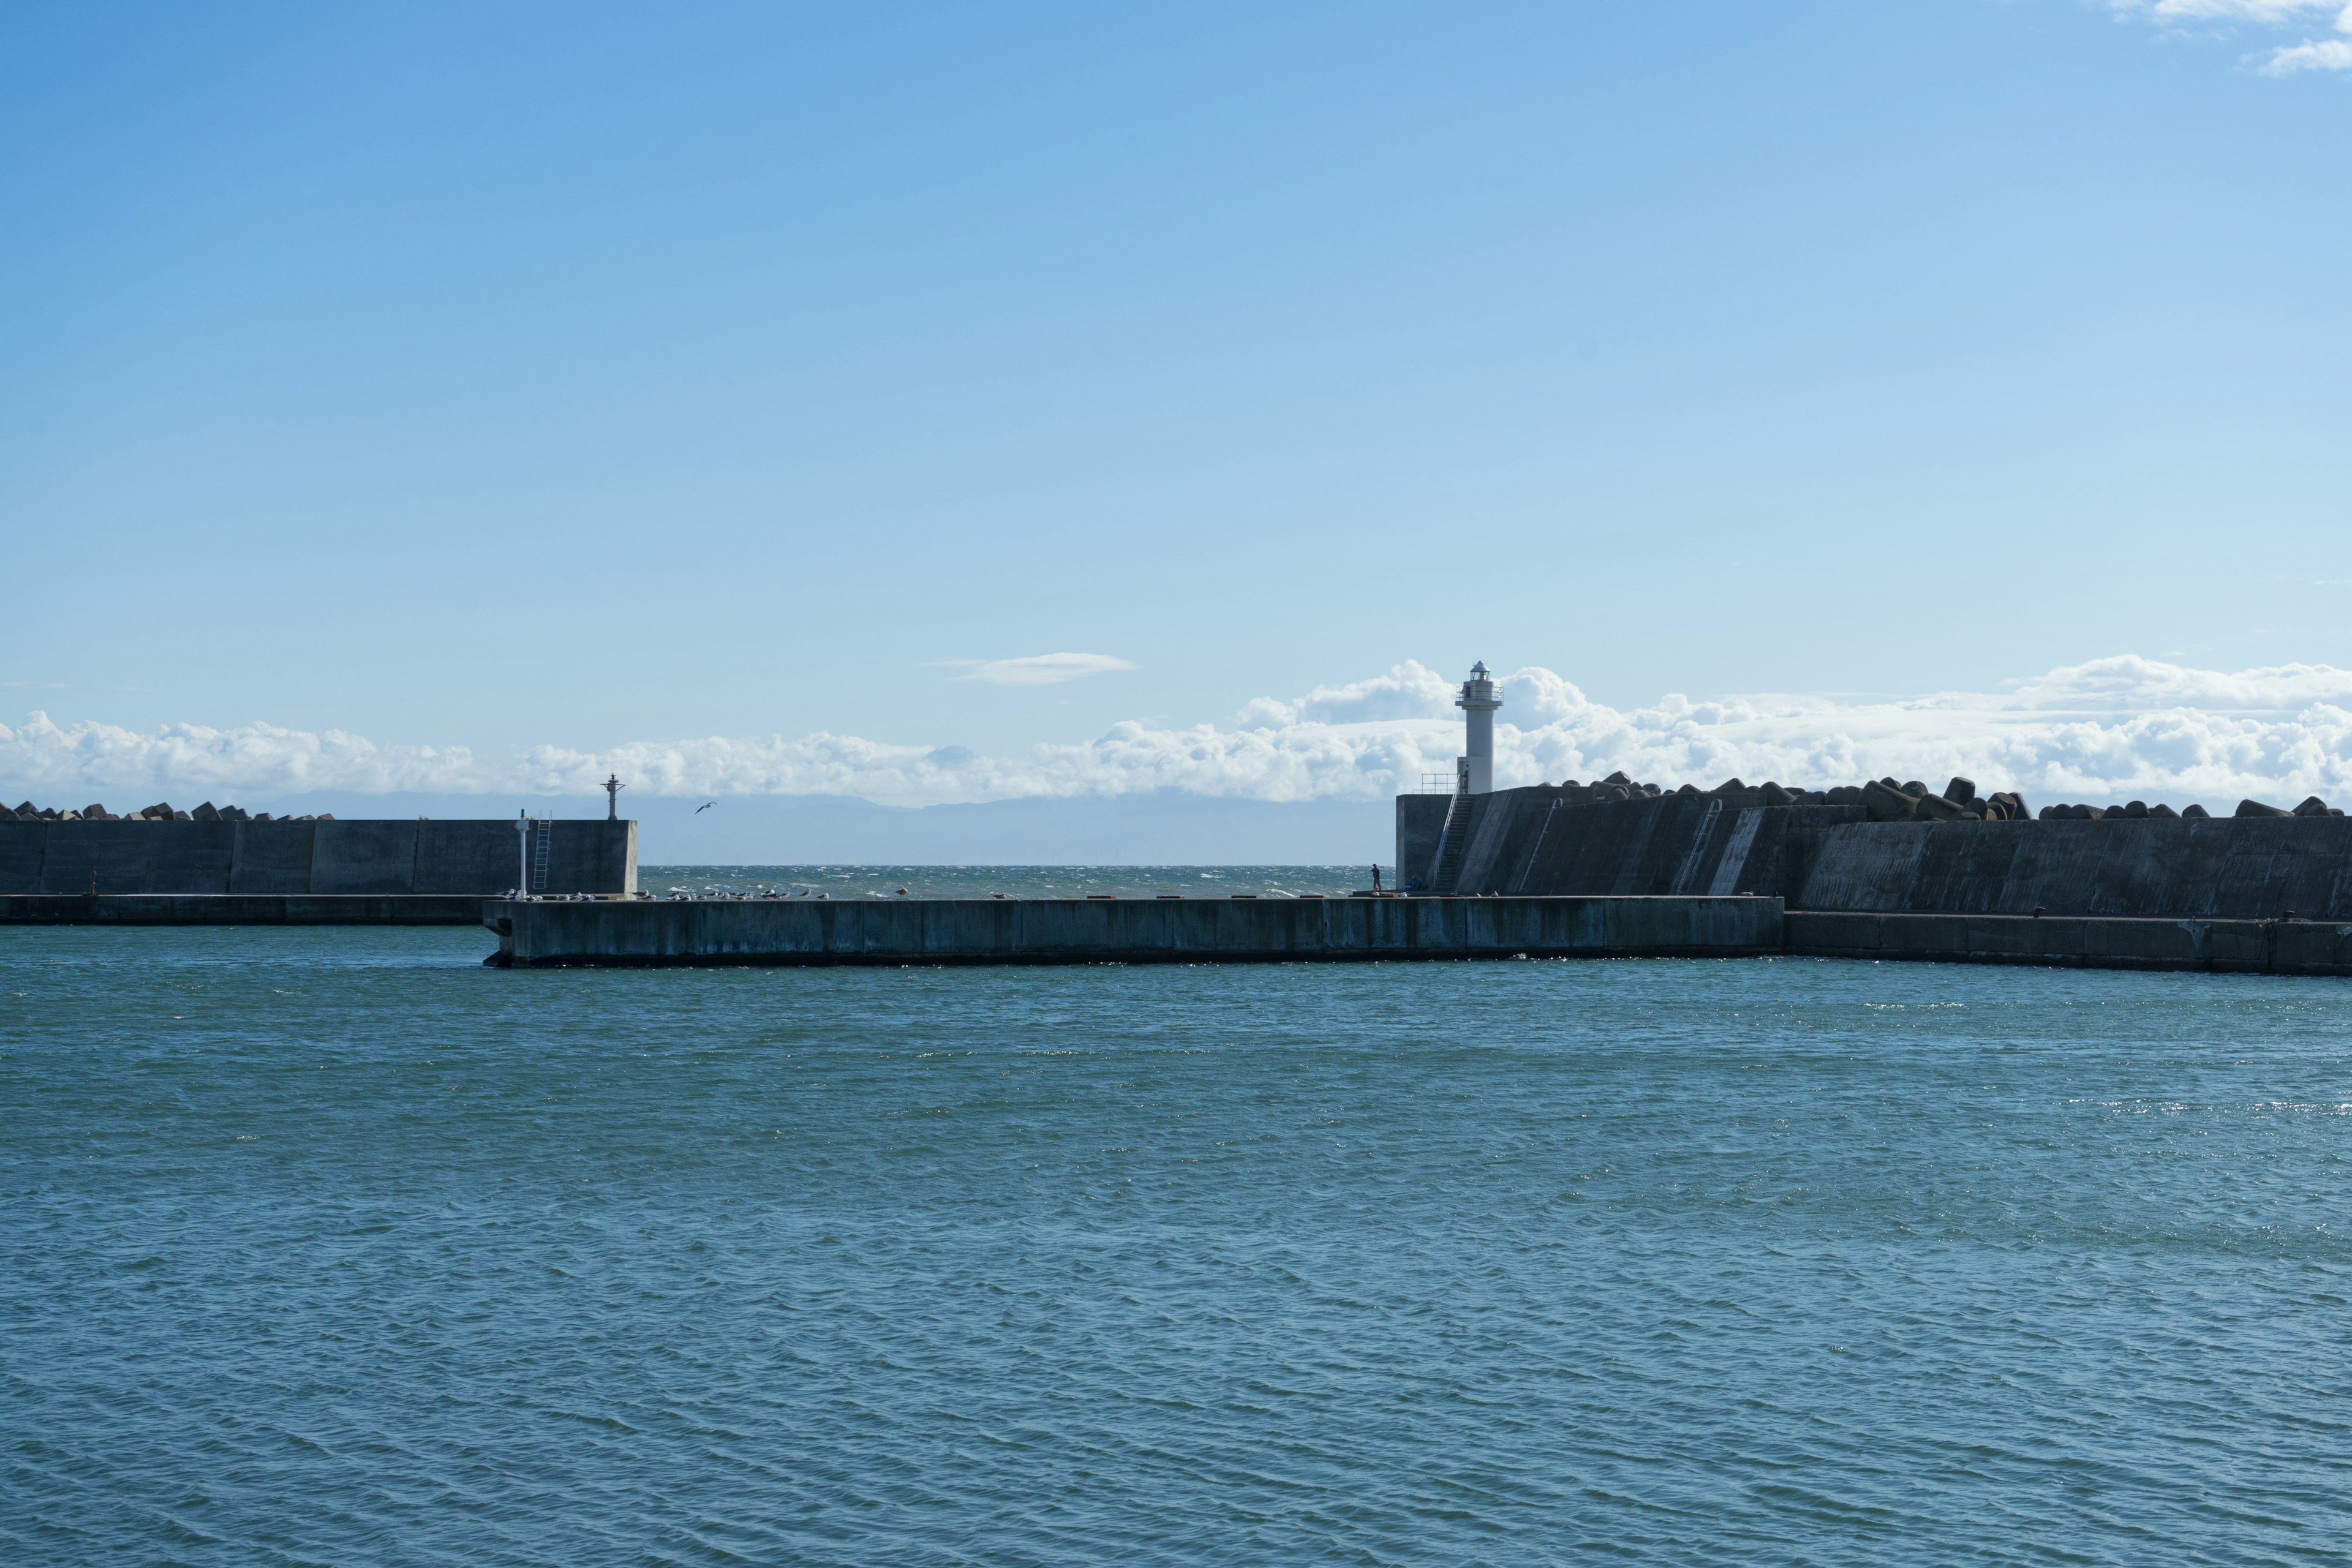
1170 827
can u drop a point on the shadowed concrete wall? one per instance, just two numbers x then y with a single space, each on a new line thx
271 857
195 859
1046 931
2076 941
1533 841
2254 868
1132 930
1420 823
337 857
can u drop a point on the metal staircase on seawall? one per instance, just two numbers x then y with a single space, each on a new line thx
542 837
1450 849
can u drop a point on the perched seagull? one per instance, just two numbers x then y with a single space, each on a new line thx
705 805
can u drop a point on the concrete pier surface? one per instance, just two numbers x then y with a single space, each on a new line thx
810 932
534 933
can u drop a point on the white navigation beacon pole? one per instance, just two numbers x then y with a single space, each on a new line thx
1478 703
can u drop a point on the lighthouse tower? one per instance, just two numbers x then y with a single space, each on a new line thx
1475 772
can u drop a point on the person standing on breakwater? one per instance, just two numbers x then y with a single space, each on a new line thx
1376 878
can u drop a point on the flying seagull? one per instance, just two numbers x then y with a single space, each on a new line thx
705 805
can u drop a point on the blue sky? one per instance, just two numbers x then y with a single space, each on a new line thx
583 376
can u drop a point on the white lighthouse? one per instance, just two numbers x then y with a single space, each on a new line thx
1476 771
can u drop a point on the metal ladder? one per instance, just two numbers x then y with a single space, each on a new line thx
542 836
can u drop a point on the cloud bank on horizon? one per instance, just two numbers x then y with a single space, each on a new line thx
2279 58
2110 729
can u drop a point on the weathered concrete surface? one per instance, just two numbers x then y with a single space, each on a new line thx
379 856
241 909
272 858
1419 822
1541 841
2078 941
1121 931
1544 842
397 856
2255 867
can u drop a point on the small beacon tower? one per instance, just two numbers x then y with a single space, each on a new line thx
1474 773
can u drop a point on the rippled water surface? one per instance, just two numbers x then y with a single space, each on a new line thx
339 1248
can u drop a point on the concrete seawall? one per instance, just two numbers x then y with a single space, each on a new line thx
1122 931
2075 942
357 856
723 931
2148 867
1537 841
804 934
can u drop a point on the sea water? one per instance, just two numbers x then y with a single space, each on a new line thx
1011 881
336 1246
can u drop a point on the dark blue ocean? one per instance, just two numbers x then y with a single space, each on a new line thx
335 1247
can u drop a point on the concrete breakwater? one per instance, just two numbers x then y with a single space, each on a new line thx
717 932
2265 864
221 855
806 933
722 931
2075 942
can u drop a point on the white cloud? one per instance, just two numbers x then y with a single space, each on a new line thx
2280 59
1037 669
2330 55
1408 691
2114 728
2274 12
